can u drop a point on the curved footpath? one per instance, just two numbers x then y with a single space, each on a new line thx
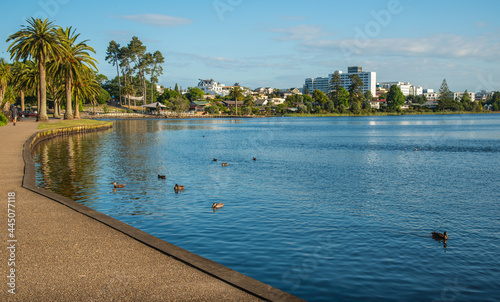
67 252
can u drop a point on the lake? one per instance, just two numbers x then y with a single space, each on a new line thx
333 209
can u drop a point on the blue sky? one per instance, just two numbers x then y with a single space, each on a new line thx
280 43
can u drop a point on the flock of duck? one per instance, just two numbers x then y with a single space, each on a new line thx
217 205
179 188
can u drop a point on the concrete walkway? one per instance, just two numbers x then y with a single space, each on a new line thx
63 255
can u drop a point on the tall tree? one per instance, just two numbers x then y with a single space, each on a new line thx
113 57
156 69
75 65
236 94
356 91
335 84
395 98
445 96
125 58
39 41
137 53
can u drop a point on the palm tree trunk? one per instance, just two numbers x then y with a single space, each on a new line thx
77 109
38 101
68 115
42 115
57 113
22 100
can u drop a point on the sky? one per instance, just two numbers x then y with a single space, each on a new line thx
280 43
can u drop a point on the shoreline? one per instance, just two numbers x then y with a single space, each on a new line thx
164 270
126 116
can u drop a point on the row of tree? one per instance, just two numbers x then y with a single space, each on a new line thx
48 60
134 65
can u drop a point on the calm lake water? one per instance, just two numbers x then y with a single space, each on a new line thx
334 209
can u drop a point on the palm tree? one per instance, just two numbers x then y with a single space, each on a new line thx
74 64
40 42
127 91
86 88
19 72
5 76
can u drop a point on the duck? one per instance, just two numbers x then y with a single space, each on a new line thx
439 236
215 159
217 205
162 176
224 164
254 158
177 187
118 185
416 149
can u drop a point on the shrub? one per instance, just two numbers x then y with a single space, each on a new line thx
3 120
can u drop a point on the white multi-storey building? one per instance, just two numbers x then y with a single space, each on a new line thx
324 84
458 96
212 87
406 88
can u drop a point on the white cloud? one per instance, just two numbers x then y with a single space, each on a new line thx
157 20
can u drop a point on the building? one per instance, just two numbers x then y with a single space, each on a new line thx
458 96
432 96
406 87
319 83
324 84
160 89
483 95
212 87
264 90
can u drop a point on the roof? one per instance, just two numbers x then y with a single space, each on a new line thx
154 105
199 103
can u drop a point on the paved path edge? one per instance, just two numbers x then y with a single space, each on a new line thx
232 277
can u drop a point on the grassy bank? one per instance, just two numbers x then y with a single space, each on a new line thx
70 123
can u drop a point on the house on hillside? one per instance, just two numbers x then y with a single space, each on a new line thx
230 104
198 106
213 87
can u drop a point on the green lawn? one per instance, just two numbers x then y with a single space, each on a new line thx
70 123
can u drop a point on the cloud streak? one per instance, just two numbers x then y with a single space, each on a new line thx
156 20
313 38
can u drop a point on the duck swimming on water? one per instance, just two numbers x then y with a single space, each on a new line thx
178 188
217 205
118 185
224 164
215 159
162 176
439 236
